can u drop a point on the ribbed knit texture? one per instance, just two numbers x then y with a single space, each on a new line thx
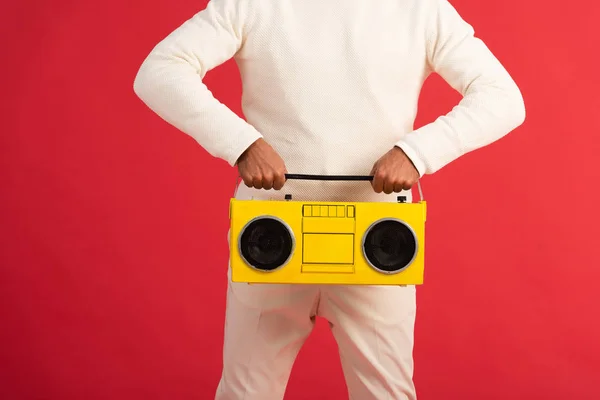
332 85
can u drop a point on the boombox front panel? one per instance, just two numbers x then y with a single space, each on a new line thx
324 242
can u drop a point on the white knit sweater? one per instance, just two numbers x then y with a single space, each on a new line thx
332 84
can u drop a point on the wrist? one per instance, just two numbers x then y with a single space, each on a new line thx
248 149
412 156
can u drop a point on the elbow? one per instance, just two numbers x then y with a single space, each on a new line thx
517 108
146 83
514 105
161 72
504 96
142 82
509 104
138 84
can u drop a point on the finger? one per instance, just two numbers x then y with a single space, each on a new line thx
388 186
257 182
377 183
247 180
267 182
408 185
373 173
279 181
398 187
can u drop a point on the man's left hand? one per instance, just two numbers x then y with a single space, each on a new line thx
394 172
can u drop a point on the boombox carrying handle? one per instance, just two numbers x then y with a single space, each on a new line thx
337 178
342 178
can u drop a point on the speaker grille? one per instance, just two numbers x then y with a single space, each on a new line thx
266 244
389 246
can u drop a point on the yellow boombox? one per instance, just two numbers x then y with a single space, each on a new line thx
312 242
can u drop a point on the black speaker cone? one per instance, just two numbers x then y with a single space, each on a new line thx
266 244
389 246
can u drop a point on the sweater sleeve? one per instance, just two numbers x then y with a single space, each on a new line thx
170 80
491 106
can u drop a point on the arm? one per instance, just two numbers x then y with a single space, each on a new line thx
170 83
491 107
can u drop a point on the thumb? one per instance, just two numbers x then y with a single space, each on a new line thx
373 173
373 169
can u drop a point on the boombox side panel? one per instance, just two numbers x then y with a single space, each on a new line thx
245 211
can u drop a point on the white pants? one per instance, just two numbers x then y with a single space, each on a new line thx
266 325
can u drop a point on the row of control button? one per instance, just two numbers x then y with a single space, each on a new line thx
328 211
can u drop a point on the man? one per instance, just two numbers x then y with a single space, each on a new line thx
329 87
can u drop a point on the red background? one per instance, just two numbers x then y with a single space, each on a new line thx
113 230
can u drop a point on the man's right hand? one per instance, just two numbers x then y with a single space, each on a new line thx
261 167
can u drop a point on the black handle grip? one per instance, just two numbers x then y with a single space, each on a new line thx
329 177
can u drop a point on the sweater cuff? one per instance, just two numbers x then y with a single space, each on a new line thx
240 145
413 156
